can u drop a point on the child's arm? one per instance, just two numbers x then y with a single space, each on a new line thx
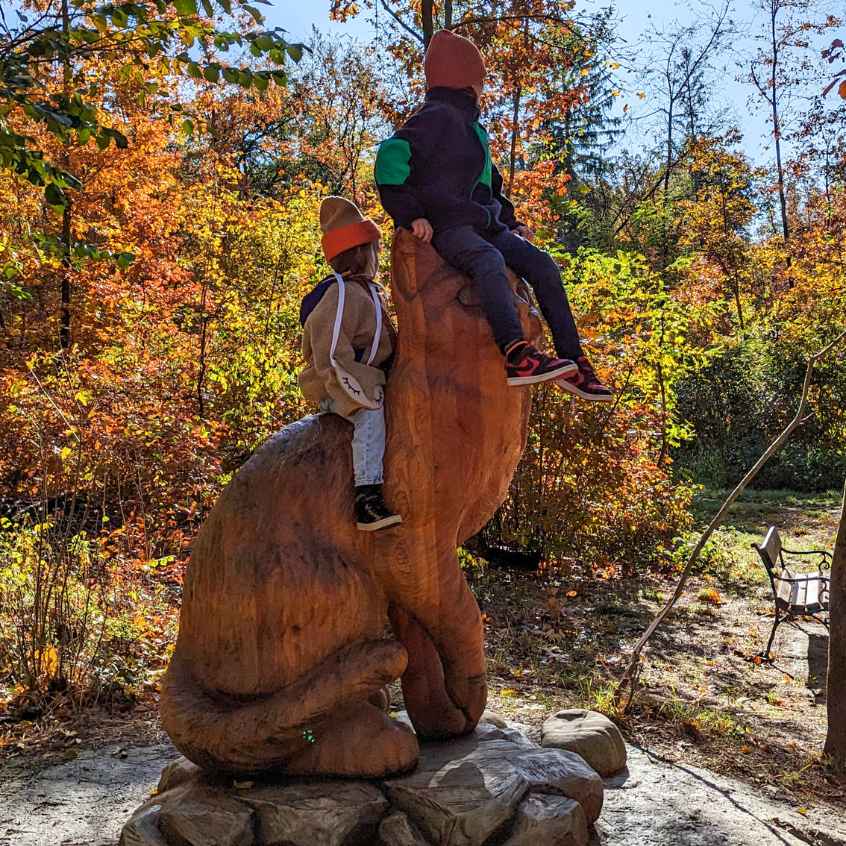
507 215
405 154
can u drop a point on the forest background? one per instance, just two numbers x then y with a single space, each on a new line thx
161 167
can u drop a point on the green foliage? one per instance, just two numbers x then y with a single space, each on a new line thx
739 403
142 33
67 617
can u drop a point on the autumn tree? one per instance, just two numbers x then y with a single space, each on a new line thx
46 115
781 66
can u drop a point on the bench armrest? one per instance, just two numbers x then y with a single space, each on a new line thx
825 557
806 552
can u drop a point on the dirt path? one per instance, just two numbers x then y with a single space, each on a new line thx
85 802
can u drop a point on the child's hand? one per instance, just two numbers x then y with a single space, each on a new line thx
422 229
524 232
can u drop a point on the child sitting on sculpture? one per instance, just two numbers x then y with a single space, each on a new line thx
348 342
435 177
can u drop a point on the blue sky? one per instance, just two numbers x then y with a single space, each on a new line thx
635 18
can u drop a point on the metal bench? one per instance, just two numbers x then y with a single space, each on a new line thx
796 595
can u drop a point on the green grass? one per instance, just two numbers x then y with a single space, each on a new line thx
805 521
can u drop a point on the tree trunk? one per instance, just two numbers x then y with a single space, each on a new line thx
835 741
515 132
427 17
65 293
201 372
776 124
66 237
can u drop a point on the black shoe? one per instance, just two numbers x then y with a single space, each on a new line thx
371 513
525 365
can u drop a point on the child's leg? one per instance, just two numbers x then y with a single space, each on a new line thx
368 446
468 251
541 272
368 449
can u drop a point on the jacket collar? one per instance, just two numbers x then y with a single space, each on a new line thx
464 101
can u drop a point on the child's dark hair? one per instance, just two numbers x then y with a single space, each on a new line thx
353 261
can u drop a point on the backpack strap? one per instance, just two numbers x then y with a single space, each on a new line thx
377 335
339 319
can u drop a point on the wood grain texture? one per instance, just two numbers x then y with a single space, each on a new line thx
283 647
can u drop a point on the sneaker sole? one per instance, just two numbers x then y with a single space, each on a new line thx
573 389
566 370
393 520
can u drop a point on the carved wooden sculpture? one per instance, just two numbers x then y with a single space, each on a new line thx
283 649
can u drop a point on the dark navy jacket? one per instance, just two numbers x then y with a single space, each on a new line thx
438 166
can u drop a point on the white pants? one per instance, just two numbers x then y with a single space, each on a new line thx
368 443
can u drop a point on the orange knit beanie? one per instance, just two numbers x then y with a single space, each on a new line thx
453 61
344 227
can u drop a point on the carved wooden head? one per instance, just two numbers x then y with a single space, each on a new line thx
454 424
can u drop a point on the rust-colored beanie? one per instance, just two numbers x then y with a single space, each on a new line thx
344 227
453 61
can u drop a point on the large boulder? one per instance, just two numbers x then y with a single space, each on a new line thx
492 783
589 734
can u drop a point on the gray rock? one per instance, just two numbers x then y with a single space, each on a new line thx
589 734
203 816
177 772
550 820
495 719
398 830
503 730
143 829
317 813
465 790
493 782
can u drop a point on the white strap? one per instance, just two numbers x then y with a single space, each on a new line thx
339 318
377 335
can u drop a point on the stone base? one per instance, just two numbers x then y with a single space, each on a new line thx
494 786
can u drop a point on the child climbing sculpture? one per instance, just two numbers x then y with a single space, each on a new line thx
436 178
348 341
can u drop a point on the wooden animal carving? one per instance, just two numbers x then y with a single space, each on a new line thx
293 621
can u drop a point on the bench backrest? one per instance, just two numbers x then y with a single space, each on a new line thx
770 549
770 552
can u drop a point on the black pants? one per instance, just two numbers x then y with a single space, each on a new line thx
484 258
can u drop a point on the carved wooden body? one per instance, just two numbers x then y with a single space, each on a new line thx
283 648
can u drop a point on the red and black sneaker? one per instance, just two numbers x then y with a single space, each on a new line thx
525 365
585 384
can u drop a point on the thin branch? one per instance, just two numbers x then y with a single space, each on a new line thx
632 672
412 32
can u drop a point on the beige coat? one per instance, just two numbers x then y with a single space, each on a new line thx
321 380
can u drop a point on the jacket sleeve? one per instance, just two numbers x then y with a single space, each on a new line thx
407 151
507 215
320 326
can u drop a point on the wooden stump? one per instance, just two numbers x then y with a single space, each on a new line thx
282 647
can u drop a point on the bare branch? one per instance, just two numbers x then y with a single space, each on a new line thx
412 32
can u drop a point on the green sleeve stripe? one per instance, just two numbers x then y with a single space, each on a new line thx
393 162
487 172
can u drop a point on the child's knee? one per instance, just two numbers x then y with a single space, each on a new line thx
487 260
